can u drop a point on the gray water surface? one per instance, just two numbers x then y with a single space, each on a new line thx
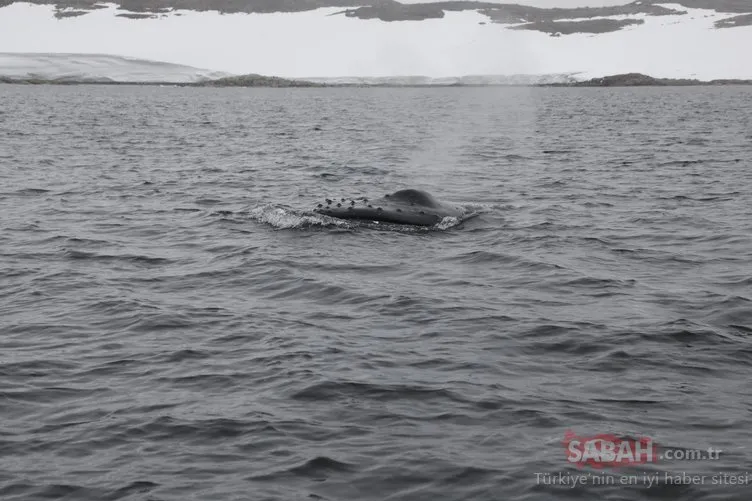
176 323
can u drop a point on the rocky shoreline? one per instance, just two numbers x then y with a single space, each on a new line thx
640 80
253 80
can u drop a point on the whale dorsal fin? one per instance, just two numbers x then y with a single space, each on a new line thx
416 197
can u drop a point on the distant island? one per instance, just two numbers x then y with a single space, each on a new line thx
253 80
640 80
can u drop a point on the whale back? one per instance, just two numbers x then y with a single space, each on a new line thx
409 206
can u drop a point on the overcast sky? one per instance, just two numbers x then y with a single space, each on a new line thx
547 3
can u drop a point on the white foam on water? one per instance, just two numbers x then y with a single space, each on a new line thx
285 219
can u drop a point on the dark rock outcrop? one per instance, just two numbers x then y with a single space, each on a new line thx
399 12
137 15
734 6
502 13
556 28
735 22
60 14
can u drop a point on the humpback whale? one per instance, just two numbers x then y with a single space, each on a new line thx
410 206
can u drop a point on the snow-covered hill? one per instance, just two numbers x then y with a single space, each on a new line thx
444 40
97 68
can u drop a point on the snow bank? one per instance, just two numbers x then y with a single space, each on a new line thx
320 43
98 67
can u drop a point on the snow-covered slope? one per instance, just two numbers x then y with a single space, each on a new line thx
98 68
415 80
325 43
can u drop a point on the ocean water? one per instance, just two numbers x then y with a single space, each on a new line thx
177 324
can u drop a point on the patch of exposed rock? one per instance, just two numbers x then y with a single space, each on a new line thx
735 22
733 6
415 12
557 28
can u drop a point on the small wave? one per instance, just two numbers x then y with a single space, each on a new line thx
484 256
201 430
36 368
136 259
597 283
334 390
137 487
318 468
683 163
742 329
328 176
203 381
161 322
86 241
186 354
553 338
319 465
134 490
689 333
49 395
208 201
29 192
